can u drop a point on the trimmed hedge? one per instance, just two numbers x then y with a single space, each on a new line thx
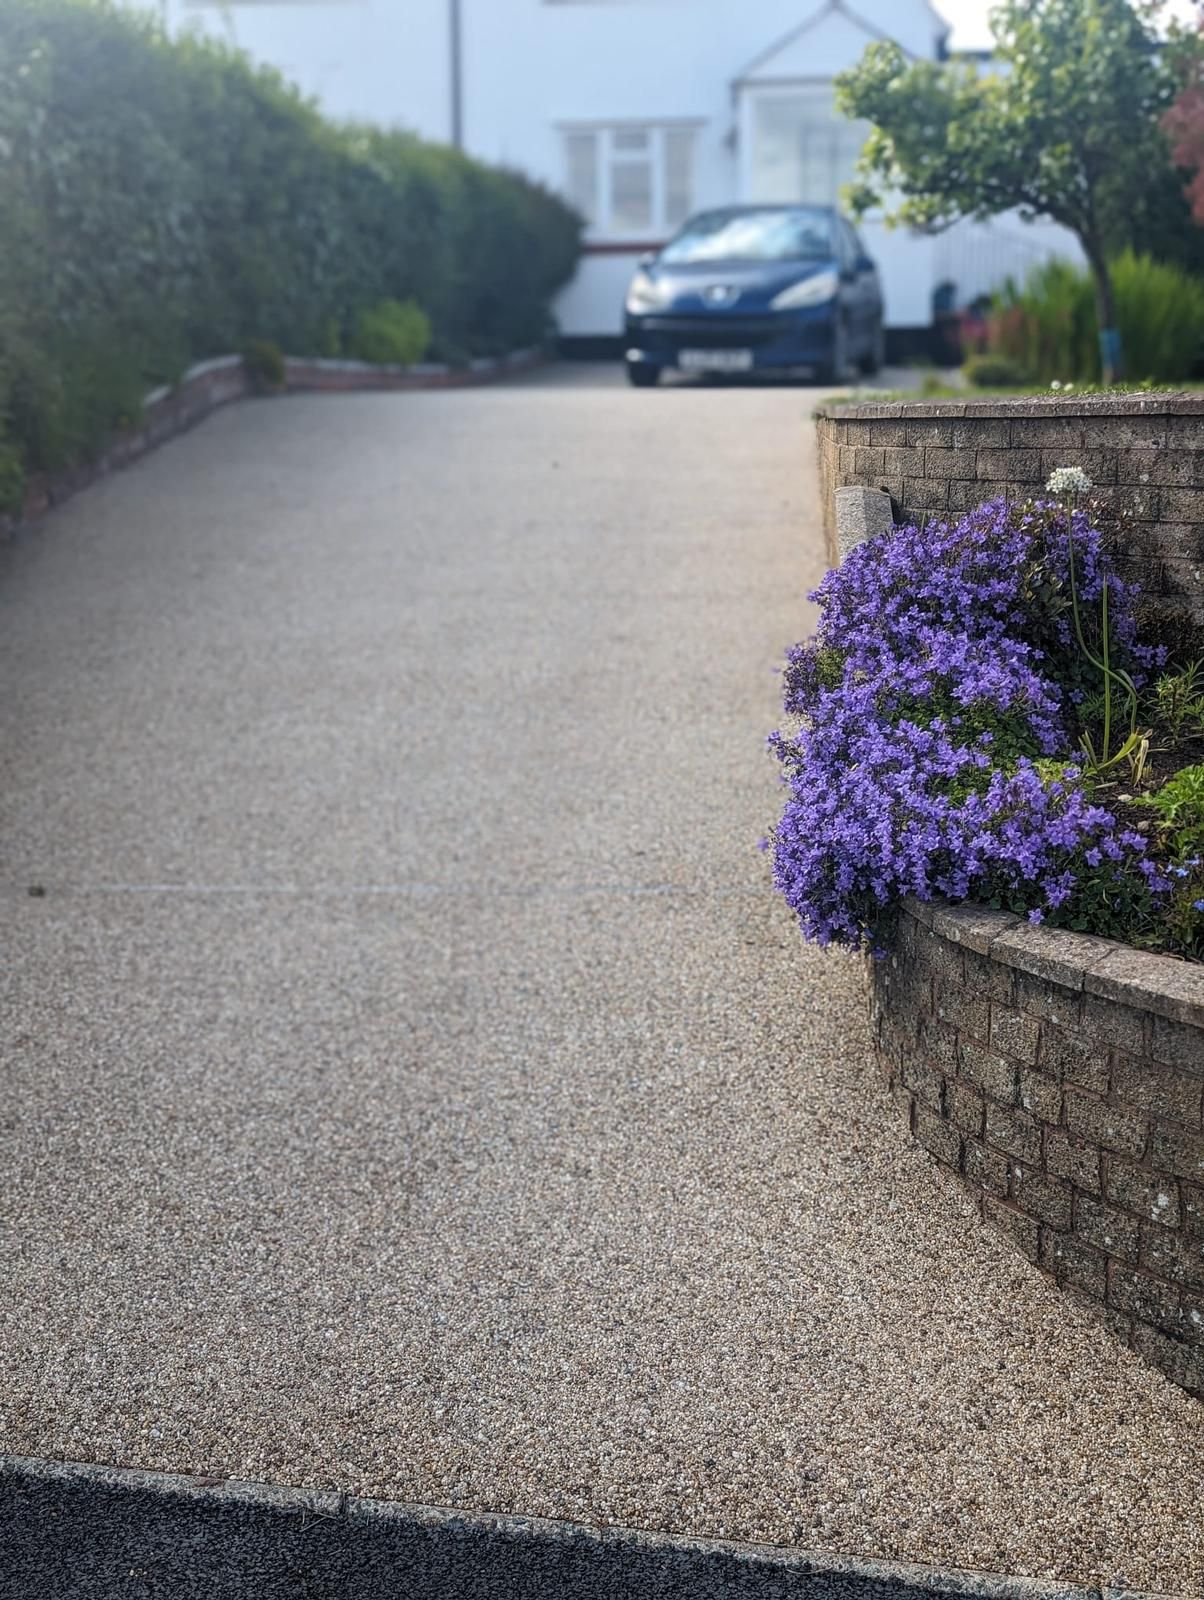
164 200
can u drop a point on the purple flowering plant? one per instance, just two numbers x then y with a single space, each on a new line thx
935 747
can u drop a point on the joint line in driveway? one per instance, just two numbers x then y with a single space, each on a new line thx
416 890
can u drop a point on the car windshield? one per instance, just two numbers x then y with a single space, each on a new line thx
802 235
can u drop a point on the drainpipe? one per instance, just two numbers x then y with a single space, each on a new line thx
456 58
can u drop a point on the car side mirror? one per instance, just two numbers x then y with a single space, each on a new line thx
865 264
646 260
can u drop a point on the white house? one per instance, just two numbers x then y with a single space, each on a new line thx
639 111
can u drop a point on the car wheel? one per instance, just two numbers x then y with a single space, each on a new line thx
643 375
875 357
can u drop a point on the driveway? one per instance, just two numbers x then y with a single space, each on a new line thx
411 1086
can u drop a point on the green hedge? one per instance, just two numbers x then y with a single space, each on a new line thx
164 200
1048 326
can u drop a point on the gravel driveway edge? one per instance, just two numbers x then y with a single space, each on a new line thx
96 1532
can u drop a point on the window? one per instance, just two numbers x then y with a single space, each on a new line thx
803 150
582 151
631 180
631 168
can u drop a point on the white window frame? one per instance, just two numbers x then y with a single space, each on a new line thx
606 157
754 92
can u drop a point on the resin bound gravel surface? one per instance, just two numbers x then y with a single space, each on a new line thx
411 1086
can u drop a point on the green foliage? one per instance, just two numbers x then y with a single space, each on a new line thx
829 667
1177 701
164 200
995 372
1178 807
1182 921
1010 731
1106 901
392 334
1049 325
12 478
1160 313
1111 905
264 362
1070 128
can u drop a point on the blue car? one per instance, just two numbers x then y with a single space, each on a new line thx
753 289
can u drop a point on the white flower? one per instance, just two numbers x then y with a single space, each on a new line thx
1068 480
1055 384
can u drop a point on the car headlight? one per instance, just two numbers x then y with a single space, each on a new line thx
811 291
644 294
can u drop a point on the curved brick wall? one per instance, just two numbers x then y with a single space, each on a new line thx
1061 1078
1145 454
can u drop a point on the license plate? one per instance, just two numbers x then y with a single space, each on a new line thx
715 360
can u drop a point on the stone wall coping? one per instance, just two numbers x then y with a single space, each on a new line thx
1143 979
1136 404
373 368
378 369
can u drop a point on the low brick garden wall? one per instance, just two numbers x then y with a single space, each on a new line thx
1061 1079
1145 453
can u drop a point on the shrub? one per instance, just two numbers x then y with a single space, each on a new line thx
995 372
264 362
164 200
392 334
1178 808
937 752
1049 326
1177 699
1161 312
12 479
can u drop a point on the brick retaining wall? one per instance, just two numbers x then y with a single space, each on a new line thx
1061 1079
1145 453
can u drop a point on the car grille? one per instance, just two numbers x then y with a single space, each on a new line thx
708 333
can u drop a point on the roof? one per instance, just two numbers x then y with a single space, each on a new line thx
842 8
945 27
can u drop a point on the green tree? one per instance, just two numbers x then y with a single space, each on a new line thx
1067 127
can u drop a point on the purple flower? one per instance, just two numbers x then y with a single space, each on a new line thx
930 707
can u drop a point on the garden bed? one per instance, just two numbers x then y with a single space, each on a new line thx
995 787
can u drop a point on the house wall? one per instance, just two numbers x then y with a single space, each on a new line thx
382 61
534 67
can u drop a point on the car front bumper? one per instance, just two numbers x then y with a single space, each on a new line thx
773 339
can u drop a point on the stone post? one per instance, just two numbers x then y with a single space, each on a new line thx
860 514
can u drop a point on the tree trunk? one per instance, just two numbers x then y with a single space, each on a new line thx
1111 355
